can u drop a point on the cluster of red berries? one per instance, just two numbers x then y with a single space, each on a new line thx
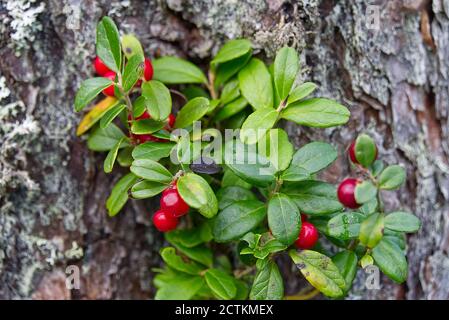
308 235
141 138
172 206
346 189
102 70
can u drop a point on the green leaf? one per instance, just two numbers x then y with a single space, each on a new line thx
231 179
108 44
131 46
256 125
89 89
229 195
133 71
179 286
283 218
194 91
249 165
200 253
198 194
221 284
279 150
346 262
366 261
255 84
173 70
402 221
377 167
158 99
317 112
119 194
345 226
153 150
231 109
151 170
286 66
391 260
310 159
191 237
139 106
301 92
265 245
231 50
112 155
104 139
147 189
238 219
227 70
124 157
146 126
268 283
176 262
230 92
314 197
320 271
111 114
371 230
194 110
364 192
365 150
242 290
392 177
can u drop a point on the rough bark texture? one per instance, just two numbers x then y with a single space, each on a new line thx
52 189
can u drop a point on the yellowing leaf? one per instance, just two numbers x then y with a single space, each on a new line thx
95 114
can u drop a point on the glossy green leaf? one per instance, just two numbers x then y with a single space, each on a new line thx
284 219
365 191
256 125
176 262
230 92
173 70
255 84
228 195
119 194
346 262
365 150
320 271
198 194
158 99
146 126
231 109
89 89
238 219
191 237
151 170
317 112
314 197
199 253
227 70
402 221
230 179
268 283
104 139
392 177
345 226
391 260
108 44
153 150
221 284
124 157
371 230
147 189
231 50
286 66
300 92
194 110
277 147
366 261
112 155
111 114
133 71
180 286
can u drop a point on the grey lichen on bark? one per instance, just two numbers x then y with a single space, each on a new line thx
52 189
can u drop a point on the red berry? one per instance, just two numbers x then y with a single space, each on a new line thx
346 193
164 221
100 68
142 138
308 236
148 71
170 121
109 91
351 152
144 115
172 202
303 217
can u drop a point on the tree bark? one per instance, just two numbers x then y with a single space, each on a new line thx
394 78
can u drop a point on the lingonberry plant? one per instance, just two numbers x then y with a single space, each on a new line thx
227 220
